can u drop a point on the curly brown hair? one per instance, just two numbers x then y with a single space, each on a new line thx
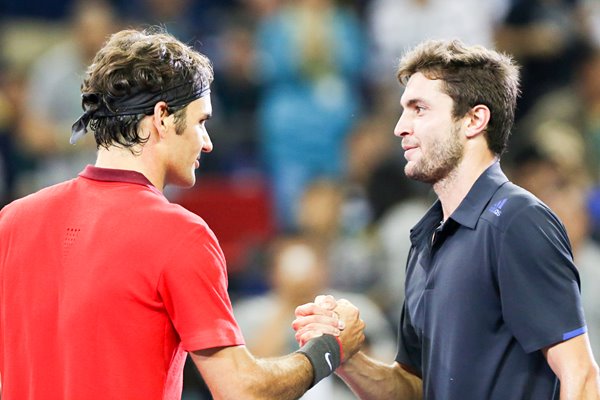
471 75
134 61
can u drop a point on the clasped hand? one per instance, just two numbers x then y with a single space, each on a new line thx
327 316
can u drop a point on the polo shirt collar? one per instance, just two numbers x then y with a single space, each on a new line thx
473 205
430 220
116 175
470 209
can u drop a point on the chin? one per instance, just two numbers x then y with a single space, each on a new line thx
185 181
419 175
189 183
409 171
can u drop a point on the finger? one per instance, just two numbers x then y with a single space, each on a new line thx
315 330
326 301
320 328
313 309
302 321
333 320
346 309
306 336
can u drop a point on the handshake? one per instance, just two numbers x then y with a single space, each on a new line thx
338 329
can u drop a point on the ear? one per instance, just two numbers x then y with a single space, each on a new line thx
159 118
477 120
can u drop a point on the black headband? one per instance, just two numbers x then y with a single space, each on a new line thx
97 105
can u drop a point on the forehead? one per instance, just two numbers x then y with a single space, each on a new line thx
200 107
419 87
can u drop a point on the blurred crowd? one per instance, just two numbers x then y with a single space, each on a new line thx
305 188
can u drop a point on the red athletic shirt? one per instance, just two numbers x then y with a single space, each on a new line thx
104 286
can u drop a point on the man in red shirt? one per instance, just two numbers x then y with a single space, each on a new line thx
105 286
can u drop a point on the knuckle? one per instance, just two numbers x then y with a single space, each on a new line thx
303 309
344 301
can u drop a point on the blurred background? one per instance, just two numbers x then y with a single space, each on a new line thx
305 187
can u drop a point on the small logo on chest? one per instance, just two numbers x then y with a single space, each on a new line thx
497 207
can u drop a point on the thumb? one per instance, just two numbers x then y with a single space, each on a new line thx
326 301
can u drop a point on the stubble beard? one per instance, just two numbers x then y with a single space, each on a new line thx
442 160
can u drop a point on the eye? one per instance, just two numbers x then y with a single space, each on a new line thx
419 109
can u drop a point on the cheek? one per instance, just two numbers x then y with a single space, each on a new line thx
433 132
426 136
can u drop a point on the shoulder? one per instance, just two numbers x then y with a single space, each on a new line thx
178 218
512 205
38 201
520 221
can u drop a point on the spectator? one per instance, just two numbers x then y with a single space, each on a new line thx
54 98
311 54
396 25
546 37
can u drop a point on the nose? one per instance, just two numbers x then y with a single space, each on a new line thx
207 145
402 127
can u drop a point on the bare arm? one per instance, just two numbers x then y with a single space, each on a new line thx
233 373
573 363
373 380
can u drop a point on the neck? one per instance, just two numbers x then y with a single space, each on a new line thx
454 187
135 159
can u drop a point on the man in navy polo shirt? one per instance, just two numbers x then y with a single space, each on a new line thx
492 308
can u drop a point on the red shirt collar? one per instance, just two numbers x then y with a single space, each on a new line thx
116 175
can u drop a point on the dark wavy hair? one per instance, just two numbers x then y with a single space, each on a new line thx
134 61
471 76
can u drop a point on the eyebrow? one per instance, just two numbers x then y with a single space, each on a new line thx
414 101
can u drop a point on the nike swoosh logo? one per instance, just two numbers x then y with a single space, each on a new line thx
327 358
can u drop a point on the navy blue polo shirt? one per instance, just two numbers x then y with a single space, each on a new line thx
495 285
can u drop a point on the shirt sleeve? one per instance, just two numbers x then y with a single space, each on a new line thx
194 291
538 282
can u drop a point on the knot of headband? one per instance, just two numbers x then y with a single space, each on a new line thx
141 102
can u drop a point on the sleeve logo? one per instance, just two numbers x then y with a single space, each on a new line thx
495 208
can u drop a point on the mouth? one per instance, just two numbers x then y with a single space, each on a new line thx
409 150
407 146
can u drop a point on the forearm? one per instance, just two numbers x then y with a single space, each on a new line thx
372 380
573 363
323 355
286 377
582 386
233 373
